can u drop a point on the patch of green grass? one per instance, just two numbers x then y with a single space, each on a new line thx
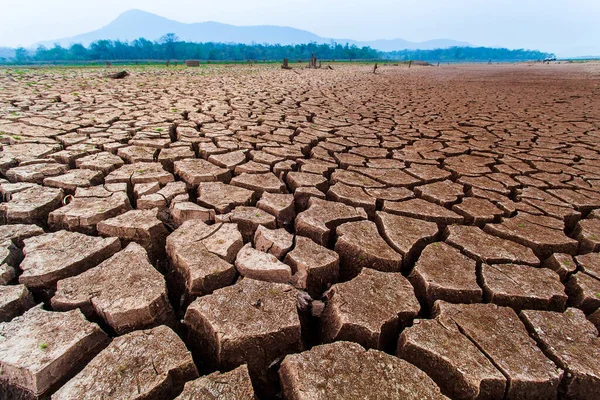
16 137
521 225
598 295
159 129
43 346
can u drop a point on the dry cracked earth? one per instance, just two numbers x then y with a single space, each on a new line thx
232 232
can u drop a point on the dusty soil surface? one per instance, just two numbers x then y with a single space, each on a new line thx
250 232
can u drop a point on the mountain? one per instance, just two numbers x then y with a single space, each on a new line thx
134 24
7 52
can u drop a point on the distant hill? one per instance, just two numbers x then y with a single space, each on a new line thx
7 52
134 24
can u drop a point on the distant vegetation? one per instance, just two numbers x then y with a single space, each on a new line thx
467 54
169 47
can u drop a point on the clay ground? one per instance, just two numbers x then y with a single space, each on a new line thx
240 231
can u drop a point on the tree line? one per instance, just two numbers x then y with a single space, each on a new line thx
169 47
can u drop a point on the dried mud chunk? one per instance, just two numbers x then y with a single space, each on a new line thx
367 374
7 274
186 210
279 205
522 287
84 213
75 178
353 178
104 162
487 248
223 240
324 216
41 349
168 156
163 198
314 267
359 245
149 364
248 219
562 264
251 322
443 193
352 196
35 173
502 337
140 172
477 211
543 235
572 343
58 255
125 298
584 292
256 264
424 210
451 360
385 176
391 193
274 241
133 154
428 173
370 309
31 205
14 301
140 226
222 197
594 318
16 233
231 385
303 195
408 236
228 160
443 273
587 232
296 180
259 183
590 264
194 171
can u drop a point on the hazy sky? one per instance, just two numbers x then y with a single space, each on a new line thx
567 27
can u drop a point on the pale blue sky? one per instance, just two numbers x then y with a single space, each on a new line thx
567 27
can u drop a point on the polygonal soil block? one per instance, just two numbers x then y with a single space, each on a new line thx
443 273
359 245
234 385
30 205
252 322
125 291
152 364
14 301
322 217
502 337
41 349
256 264
370 309
345 370
451 360
314 267
522 287
58 255
572 343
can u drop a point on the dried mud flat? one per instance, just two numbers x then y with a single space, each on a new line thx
240 231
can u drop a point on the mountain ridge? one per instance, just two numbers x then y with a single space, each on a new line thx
134 24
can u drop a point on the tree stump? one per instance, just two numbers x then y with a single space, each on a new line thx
119 75
286 64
